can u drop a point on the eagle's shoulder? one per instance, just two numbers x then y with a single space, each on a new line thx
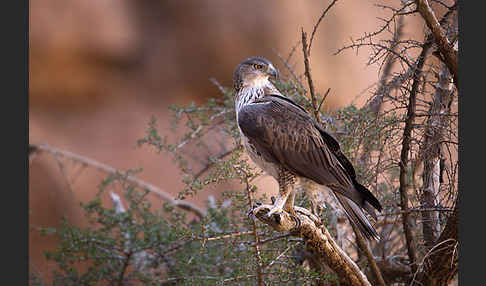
274 113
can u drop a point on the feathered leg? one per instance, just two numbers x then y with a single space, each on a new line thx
285 197
286 194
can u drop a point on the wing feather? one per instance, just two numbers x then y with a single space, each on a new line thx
289 136
285 134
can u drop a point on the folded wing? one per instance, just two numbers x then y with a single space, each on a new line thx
284 133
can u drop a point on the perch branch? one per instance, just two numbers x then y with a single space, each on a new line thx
317 240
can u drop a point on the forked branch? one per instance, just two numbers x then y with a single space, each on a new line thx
445 47
317 240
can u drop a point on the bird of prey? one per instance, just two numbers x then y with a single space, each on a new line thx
287 143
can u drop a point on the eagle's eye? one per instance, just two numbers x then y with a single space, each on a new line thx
258 66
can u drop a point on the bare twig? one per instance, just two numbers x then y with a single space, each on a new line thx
364 246
278 256
272 239
323 98
231 235
317 24
376 104
257 238
290 69
445 47
421 209
112 171
407 137
218 85
383 90
308 76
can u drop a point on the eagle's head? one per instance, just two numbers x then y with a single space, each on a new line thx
254 72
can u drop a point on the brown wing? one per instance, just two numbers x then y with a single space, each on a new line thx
285 134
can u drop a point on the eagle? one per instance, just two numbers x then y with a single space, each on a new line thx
287 143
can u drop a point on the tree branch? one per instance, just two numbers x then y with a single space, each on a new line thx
430 155
255 234
406 142
112 171
364 246
445 47
440 265
308 76
317 24
317 240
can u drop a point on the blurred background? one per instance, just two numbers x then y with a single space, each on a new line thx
100 69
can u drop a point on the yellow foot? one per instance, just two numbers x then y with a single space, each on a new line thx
271 210
257 209
274 210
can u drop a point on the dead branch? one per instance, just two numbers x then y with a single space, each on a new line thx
255 234
112 171
375 105
394 269
383 88
317 24
364 246
441 263
290 69
317 240
445 47
430 154
309 77
406 142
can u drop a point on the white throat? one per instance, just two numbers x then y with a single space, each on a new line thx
249 93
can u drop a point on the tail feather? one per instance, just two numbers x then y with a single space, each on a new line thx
367 196
357 217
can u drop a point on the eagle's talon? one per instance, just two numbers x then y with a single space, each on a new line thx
298 223
255 211
273 211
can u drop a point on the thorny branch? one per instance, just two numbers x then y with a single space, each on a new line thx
317 24
257 238
308 75
445 47
404 155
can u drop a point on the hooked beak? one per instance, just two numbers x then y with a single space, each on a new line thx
272 72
